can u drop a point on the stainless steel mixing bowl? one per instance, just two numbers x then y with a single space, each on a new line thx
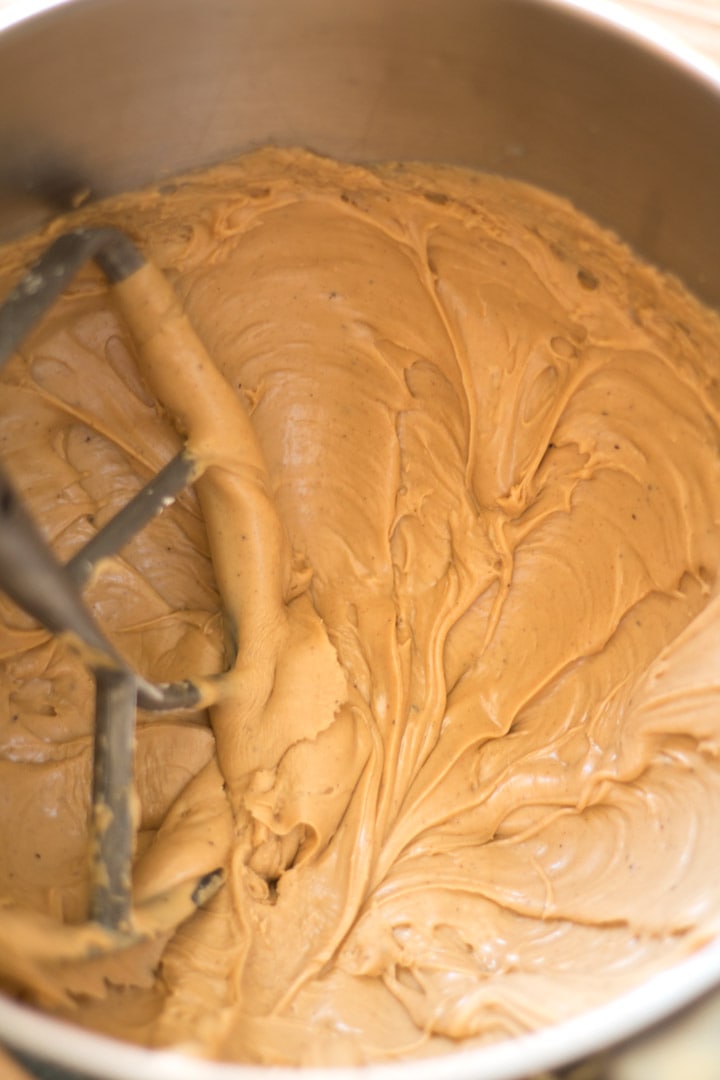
99 96
109 94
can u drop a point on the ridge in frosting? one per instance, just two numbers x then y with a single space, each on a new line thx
460 550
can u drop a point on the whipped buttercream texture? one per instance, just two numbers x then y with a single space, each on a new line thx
463 569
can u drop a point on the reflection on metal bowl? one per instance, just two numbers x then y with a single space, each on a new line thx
101 96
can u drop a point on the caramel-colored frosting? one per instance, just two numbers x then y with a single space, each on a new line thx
457 544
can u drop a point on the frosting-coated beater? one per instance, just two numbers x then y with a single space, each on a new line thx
51 592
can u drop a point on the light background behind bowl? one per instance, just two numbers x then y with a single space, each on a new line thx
695 21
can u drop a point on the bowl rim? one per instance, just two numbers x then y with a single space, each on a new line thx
653 1001
14 12
635 1012
640 29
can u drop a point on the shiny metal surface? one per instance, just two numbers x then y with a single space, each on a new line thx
110 94
106 95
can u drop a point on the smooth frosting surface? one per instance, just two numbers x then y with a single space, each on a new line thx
464 778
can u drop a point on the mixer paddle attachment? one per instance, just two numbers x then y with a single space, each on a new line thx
50 592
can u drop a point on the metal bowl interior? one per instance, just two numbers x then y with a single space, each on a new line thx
107 95
642 1010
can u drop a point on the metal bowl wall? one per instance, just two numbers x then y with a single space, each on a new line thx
103 96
